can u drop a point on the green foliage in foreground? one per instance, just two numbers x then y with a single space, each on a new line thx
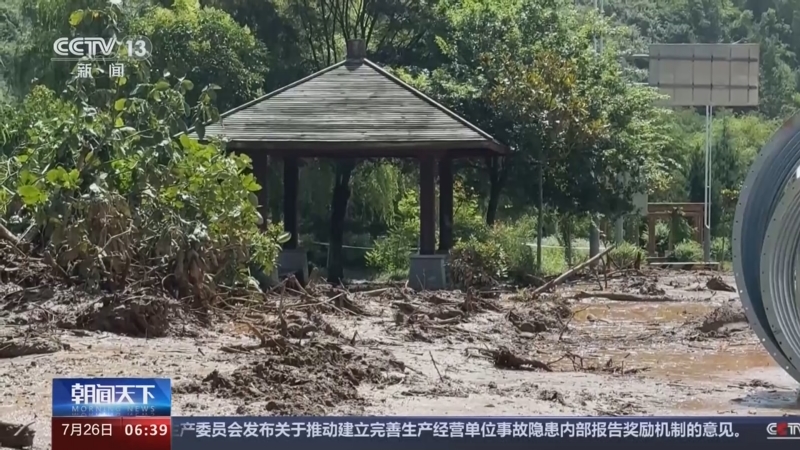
688 251
626 256
103 186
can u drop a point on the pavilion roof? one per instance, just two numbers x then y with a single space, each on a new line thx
352 108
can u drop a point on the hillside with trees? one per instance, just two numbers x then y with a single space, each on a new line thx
526 71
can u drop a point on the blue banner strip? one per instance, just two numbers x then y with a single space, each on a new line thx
480 433
112 397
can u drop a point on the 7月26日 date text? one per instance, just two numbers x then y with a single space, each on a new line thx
117 433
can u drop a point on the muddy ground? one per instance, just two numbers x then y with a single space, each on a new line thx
389 351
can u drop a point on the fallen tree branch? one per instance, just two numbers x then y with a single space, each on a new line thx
503 358
624 297
564 276
375 292
7 235
16 436
716 284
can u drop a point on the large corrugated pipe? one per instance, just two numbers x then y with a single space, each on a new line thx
766 246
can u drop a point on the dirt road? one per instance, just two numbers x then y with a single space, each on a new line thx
393 352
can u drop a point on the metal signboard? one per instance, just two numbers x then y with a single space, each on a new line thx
724 75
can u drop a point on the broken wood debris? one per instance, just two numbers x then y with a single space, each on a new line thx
503 358
716 284
565 276
16 436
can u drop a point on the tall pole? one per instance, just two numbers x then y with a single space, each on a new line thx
707 193
619 224
594 230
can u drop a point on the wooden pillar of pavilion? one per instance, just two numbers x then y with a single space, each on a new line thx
445 205
427 206
291 178
427 270
293 260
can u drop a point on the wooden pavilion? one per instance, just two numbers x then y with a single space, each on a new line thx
355 109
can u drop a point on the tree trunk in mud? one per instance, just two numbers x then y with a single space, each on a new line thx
498 174
567 236
540 214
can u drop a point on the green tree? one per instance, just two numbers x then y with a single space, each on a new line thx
207 46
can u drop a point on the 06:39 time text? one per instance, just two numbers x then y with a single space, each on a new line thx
146 430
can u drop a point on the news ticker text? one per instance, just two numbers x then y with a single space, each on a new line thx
472 429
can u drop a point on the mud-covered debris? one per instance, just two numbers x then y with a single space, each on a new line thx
611 366
618 367
16 347
146 316
643 285
526 325
505 359
413 313
436 299
341 300
419 336
445 314
323 325
696 287
299 325
298 380
542 317
552 395
474 303
725 315
716 284
27 296
16 436
407 308
651 288
757 384
22 270
440 390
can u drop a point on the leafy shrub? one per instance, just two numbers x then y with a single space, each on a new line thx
468 221
580 251
514 238
688 251
390 253
113 197
474 263
721 249
684 231
553 256
625 255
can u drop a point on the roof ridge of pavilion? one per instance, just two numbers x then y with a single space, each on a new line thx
428 100
380 70
280 90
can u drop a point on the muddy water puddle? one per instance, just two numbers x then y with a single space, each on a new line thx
641 312
771 403
671 357
702 365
